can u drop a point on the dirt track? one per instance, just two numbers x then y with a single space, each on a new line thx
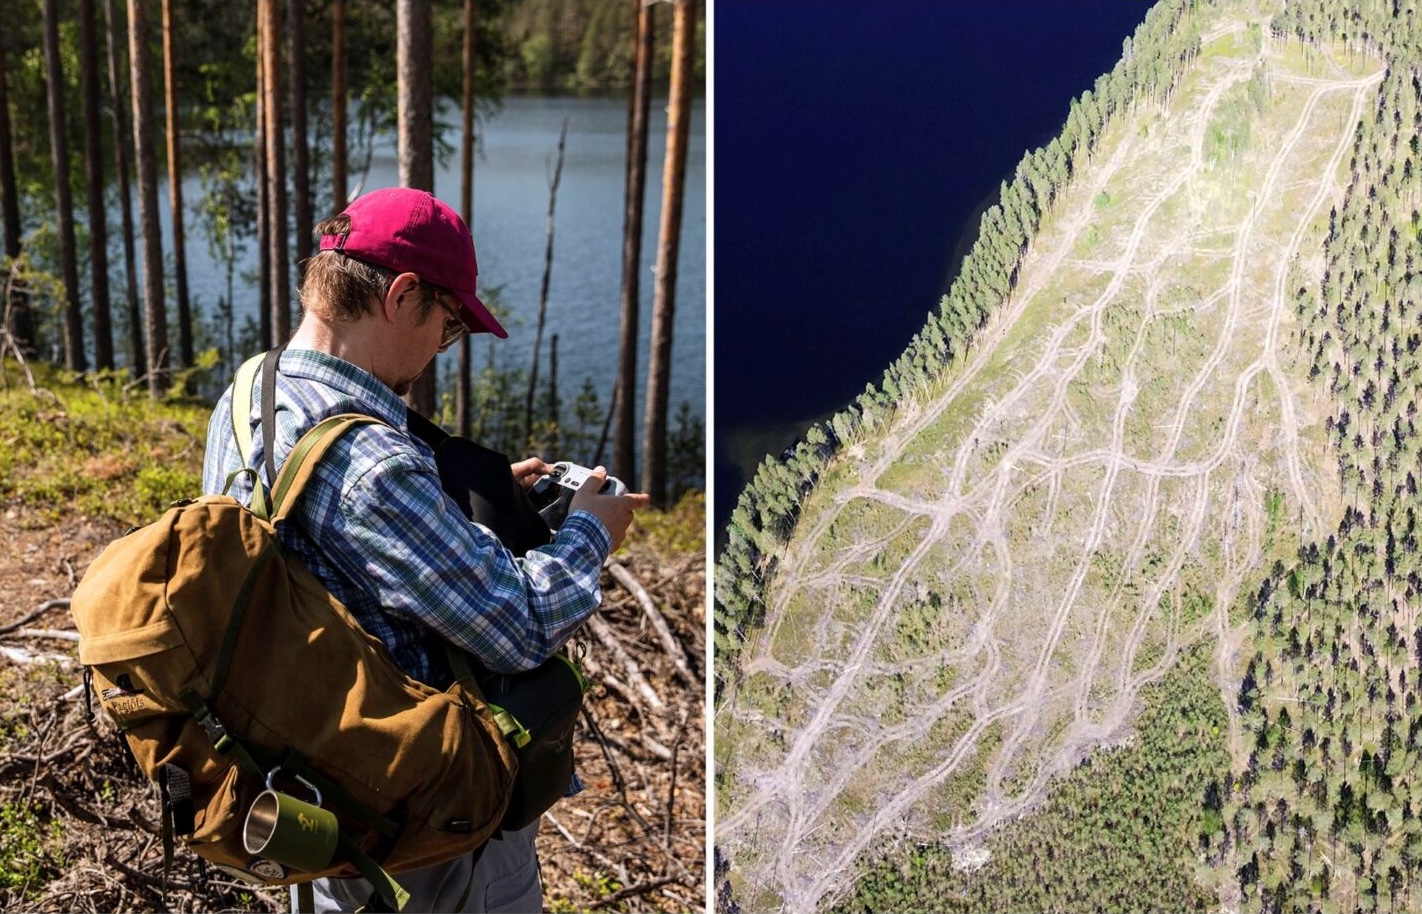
1091 449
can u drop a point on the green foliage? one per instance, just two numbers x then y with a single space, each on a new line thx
598 886
164 485
29 850
538 63
587 44
679 530
99 447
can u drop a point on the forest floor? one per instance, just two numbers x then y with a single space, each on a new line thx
973 599
79 825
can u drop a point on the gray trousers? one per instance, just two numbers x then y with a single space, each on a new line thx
505 882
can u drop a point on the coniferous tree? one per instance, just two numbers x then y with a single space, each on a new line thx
300 144
338 106
462 406
654 427
14 304
94 178
154 309
74 356
638 108
415 119
123 139
269 25
175 193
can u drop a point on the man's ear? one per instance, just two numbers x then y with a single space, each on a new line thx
401 295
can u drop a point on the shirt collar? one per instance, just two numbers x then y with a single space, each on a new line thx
360 386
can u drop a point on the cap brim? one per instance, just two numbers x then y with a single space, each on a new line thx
478 318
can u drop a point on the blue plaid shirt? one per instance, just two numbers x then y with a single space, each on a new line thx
376 528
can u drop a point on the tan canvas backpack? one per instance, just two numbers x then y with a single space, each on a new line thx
232 672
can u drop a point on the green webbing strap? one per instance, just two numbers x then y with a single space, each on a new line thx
309 450
242 389
239 609
242 406
217 734
259 492
387 888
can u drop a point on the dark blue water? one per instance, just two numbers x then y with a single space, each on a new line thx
855 142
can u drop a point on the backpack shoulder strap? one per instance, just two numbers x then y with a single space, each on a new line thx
242 405
300 464
266 363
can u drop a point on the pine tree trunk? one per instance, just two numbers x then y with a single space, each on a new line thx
654 428
74 356
624 462
123 169
175 193
259 172
270 24
339 190
15 308
415 102
94 178
462 379
154 309
300 152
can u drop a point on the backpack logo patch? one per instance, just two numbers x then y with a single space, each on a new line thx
122 688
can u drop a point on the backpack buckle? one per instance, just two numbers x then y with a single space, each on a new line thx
211 725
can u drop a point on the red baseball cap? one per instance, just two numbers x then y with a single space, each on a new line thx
413 231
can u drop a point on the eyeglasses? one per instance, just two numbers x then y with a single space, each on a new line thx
454 326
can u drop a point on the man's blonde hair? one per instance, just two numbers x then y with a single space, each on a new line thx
339 287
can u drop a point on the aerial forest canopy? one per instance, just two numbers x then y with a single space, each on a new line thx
1104 596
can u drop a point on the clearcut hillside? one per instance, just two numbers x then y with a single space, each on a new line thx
1104 599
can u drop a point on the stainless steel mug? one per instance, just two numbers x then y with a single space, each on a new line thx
292 832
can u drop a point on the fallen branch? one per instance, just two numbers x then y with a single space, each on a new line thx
631 892
656 748
23 657
33 615
659 622
639 682
56 633
671 788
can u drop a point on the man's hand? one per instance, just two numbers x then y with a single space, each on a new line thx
527 472
615 511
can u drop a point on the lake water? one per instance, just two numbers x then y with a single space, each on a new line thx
854 150
511 186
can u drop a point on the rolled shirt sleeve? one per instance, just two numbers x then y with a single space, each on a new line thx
424 562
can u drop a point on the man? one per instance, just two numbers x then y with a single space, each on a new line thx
392 285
